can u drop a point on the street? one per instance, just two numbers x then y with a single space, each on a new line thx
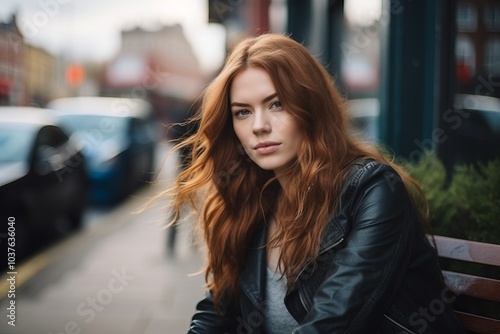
113 276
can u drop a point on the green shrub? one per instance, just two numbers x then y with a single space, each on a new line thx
476 189
467 207
431 174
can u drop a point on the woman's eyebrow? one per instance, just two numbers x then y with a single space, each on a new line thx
269 98
266 99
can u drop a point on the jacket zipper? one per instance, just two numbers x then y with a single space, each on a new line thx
322 252
301 297
332 246
398 324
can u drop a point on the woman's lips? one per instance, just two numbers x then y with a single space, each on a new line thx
266 147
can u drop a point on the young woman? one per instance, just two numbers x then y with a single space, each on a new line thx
307 229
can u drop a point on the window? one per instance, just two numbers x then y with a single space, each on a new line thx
466 17
492 17
465 55
492 57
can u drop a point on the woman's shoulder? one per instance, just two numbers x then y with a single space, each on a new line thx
367 168
368 172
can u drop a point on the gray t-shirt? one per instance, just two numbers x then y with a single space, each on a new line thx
277 319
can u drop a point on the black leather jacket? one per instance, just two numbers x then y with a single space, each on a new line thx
376 272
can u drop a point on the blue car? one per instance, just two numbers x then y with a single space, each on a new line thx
116 136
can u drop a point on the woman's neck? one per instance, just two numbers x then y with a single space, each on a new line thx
273 253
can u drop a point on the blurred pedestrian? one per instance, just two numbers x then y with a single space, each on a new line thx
308 229
179 131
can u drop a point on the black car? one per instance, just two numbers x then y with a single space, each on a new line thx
43 182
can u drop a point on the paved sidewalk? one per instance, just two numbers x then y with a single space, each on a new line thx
122 282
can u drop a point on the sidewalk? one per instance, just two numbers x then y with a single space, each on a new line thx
122 282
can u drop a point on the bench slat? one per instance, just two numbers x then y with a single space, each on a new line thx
478 323
470 285
474 286
467 250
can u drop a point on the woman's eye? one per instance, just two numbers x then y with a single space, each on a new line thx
242 112
276 105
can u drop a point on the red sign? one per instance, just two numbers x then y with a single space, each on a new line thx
75 74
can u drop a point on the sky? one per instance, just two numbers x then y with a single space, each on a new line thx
89 30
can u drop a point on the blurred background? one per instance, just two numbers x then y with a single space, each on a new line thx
89 91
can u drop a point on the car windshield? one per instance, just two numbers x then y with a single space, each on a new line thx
15 143
94 126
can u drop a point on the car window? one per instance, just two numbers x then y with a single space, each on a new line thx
141 131
16 143
95 126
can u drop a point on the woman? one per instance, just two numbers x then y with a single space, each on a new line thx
307 229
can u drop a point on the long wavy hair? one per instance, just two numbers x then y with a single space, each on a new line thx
233 196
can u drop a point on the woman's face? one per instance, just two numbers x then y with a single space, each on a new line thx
270 136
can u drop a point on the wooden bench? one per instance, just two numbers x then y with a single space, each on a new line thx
482 289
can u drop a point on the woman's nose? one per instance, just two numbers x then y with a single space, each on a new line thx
261 123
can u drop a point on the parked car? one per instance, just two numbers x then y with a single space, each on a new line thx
43 183
475 122
117 139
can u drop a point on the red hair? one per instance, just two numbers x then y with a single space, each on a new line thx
234 196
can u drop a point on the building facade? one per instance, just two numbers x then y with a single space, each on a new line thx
40 75
157 65
12 64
